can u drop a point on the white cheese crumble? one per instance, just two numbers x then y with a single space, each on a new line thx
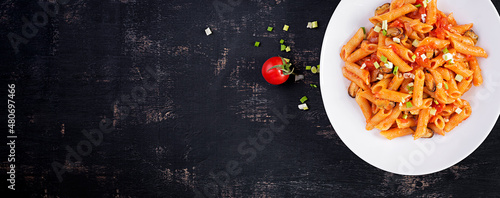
384 24
303 106
396 40
423 17
389 65
363 66
423 56
409 75
208 31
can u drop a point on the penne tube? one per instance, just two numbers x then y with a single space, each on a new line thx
401 51
396 81
437 130
470 50
392 95
445 73
365 106
418 89
399 3
389 120
393 14
477 77
377 118
435 42
406 123
459 68
351 45
352 77
453 89
464 39
456 119
423 120
360 73
395 59
395 132
439 122
382 84
365 50
461 29
431 18
465 84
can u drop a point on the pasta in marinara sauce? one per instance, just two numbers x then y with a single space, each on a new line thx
409 71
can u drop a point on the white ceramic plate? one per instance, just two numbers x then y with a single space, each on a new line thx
404 155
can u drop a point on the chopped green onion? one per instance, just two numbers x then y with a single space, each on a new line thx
411 88
308 68
445 85
409 105
377 29
459 78
303 99
425 3
414 57
376 65
445 51
257 44
415 43
418 5
282 41
288 49
270 29
313 85
208 31
384 25
314 70
435 101
433 111
364 30
285 27
384 32
283 47
317 66
315 24
405 116
383 59
395 71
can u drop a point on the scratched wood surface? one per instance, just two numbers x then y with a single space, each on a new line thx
189 114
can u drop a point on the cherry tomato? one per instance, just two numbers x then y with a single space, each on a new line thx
276 70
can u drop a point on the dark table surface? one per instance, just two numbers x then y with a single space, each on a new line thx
130 98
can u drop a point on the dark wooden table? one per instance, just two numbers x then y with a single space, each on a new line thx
130 98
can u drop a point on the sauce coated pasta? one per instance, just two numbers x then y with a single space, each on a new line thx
409 71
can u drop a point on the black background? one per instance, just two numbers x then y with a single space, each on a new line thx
202 96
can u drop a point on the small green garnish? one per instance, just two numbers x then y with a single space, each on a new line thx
409 105
282 41
405 116
414 57
283 47
288 49
383 59
376 65
257 44
445 85
285 27
270 29
435 101
303 99
418 5
364 30
286 59
313 85
308 68
411 88
395 71
314 70
445 50
315 24
384 32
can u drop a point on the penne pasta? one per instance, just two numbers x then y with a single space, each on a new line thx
351 45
